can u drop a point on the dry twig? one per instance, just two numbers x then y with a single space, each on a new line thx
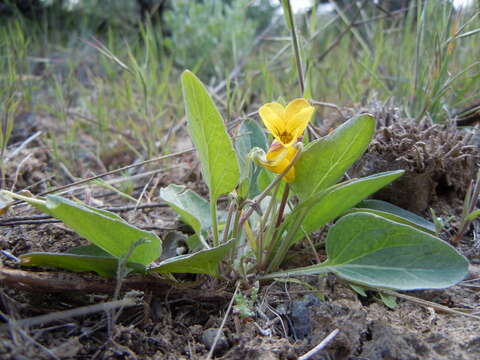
88 283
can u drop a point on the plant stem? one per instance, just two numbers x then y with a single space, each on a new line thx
469 205
265 192
213 212
281 210
231 209
30 200
322 268
263 222
296 48
270 236
285 244
236 221
312 245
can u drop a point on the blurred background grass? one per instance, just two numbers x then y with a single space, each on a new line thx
100 79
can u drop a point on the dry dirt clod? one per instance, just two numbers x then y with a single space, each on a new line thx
300 316
439 160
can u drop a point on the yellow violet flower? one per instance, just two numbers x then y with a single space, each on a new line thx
287 123
278 158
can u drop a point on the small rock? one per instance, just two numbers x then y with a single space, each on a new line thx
208 338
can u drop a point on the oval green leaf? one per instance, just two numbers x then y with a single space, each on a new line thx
373 251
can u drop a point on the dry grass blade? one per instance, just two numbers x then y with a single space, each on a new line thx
427 303
224 320
320 346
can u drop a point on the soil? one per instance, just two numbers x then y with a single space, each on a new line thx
287 320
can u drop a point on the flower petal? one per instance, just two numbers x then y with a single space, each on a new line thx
301 120
272 116
298 113
278 158
295 106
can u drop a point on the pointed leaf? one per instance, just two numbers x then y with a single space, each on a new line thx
325 161
207 129
335 202
202 262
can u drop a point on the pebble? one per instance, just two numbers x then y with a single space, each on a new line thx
208 338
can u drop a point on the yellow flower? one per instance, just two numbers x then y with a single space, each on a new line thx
277 159
287 124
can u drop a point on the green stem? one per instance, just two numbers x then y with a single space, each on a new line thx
322 268
213 212
286 243
296 48
270 237
281 210
263 222
236 221
309 270
231 209
27 199
265 192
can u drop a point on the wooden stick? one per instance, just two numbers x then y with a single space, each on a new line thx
67 314
88 283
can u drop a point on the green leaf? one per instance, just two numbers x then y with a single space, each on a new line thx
312 214
194 243
192 208
104 229
103 265
325 160
89 250
327 206
395 213
360 290
371 250
249 135
389 301
207 129
202 262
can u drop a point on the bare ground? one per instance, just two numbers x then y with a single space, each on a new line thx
171 321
